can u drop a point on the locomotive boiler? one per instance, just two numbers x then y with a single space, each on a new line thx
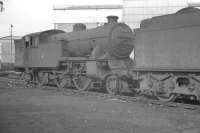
83 58
112 38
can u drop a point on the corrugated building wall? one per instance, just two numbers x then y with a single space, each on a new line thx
6 55
131 12
91 15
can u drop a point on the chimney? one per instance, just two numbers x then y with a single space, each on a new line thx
79 27
112 19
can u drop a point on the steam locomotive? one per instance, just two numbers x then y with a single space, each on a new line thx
165 61
73 59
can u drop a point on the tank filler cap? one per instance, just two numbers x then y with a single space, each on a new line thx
112 19
79 27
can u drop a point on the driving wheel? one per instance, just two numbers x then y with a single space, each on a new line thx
62 81
112 84
82 82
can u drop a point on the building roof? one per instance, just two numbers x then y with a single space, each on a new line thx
52 31
86 7
9 37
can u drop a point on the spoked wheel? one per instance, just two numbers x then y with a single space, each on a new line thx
62 81
112 84
165 95
82 82
42 78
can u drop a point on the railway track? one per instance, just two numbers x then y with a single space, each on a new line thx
13 81
17 82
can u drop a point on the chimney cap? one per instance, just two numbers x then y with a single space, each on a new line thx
112 16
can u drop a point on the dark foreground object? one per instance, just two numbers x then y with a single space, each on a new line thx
24 110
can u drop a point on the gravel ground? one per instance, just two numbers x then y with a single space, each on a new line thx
24 110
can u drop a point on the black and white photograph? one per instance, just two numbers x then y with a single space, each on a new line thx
99 66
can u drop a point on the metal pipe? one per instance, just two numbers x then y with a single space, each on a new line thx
11 26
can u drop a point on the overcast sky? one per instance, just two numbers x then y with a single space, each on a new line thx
35 15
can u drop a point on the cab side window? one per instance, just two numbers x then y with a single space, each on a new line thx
34 42
31 42
27 42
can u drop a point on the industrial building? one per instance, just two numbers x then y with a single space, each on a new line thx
7 49
91 15
130 12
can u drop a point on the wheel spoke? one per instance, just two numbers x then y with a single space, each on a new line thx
62 81
26 77
82 82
